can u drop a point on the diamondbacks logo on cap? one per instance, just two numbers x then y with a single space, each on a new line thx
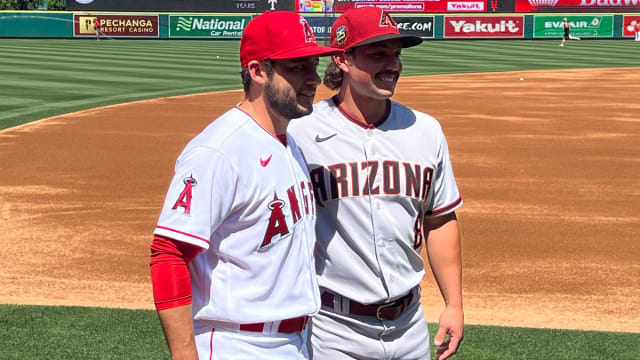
308 32
387 20
341 35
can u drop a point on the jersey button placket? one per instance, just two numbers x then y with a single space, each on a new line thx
379 243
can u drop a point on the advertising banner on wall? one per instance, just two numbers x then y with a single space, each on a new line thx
397 6
248 6
116 25
484 26
314 6
577 5
321 26
419 26
628 25
581 26
207 26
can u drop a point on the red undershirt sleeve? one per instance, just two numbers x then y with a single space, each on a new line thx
169 272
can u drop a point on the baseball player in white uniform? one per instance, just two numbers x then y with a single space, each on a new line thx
384 186
232 256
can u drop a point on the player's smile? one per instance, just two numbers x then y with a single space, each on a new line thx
387 79
306 97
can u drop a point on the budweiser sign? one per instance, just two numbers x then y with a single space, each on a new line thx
609 3
484 27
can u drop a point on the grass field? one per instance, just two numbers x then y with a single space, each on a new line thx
62 333
41 78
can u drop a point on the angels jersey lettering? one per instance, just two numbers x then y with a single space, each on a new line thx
372 186
245 199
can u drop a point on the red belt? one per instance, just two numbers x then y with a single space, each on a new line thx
287 326
383 311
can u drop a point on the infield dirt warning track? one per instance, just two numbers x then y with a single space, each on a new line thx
548 167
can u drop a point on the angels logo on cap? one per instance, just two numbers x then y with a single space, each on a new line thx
341 35
308 32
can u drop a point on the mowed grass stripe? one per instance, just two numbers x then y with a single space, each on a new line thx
98 64
125 70
438 57
75 105
92 57
130 48
67 333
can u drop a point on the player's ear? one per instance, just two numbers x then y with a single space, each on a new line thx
342 61
258 74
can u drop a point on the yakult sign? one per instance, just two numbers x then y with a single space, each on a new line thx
583 5
484 26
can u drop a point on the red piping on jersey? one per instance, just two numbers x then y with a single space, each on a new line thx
183 233
281 138
360 122
445 208
211 345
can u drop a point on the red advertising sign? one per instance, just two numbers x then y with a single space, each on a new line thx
584 5
116 25
629 24
406 6
484 26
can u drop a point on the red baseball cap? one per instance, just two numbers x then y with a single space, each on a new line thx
280 35
366 25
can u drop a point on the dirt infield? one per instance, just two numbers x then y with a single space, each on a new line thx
548 167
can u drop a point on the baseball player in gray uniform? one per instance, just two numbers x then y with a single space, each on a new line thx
384 188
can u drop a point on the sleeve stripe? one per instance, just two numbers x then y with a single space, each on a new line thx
182 233
444 208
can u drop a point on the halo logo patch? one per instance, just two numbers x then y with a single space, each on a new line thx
184 199
341 35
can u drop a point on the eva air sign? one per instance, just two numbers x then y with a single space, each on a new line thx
207 26
581 26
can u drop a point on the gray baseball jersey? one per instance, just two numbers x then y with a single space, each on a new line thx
372 184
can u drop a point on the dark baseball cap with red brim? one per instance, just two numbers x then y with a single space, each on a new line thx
367 25
280 35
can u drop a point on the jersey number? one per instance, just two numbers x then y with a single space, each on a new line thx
417 232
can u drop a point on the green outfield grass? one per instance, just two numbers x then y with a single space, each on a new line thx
42 78
65 333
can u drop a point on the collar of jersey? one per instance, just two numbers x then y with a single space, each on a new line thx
280 138
360 122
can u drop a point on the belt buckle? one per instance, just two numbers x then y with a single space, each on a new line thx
384 306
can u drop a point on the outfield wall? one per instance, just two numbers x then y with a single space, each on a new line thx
231 25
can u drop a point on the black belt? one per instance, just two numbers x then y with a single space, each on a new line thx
382 311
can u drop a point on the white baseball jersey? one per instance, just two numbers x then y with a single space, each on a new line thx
371 185
246 200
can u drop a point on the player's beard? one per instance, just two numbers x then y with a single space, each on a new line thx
283 100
